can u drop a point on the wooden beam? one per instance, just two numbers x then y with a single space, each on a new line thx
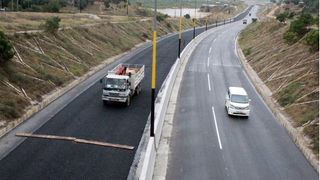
46 136
104 144
64 138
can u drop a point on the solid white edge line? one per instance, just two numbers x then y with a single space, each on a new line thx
209 83
215 122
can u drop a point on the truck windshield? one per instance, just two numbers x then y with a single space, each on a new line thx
239 98
115 84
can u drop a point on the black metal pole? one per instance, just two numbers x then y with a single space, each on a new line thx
216 23
152 112
194 32
224 21
179 47
206 26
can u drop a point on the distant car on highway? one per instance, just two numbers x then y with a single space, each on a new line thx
237 102
244 21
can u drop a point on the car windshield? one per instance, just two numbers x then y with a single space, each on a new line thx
115 84
239 98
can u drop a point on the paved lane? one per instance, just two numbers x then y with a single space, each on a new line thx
206 143
86 117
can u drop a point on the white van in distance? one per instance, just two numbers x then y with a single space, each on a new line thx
237 102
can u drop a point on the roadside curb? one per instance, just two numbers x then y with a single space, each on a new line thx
296 135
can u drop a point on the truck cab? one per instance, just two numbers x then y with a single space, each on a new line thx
122 82
116 88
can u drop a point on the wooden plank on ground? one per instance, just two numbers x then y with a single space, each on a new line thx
46 136
75 140
104 144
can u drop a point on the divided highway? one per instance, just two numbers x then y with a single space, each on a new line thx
86 117
206 143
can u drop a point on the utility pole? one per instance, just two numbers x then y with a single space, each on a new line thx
194 20
207 23
180 29
153 85
127 7
80 6
207 10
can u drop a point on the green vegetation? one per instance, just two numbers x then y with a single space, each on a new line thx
312 39
44 5
298 28
290 37
247 51
290 94
161 17
51 25
108 2
6 49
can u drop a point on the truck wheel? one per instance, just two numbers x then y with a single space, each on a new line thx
138 90
128 101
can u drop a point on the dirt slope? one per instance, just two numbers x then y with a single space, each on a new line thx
290 71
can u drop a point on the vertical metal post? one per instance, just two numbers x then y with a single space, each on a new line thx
207 23
127 7
208 10
153 85
179 47
80 6
194 20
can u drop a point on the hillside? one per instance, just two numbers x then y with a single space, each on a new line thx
290 71
45 63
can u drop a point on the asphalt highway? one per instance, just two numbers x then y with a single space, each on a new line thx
206 143
86 117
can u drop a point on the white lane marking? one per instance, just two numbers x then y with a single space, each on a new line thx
208 62
210 50
215 122
214 40
209 83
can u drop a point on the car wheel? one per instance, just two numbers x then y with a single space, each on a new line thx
128 101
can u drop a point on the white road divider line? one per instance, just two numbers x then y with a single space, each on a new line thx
209 83
210 50
215 122
208 61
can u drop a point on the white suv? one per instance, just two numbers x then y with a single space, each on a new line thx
237 102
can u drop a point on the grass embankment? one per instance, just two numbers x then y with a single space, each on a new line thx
45 62
290 71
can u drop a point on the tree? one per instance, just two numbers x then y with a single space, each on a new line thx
6 48
187 16
51 25
52 6
312 39
282 17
